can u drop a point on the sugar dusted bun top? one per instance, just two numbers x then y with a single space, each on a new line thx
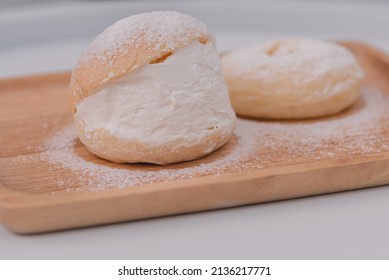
292 78
130 43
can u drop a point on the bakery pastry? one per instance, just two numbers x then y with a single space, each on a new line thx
292 79
150 89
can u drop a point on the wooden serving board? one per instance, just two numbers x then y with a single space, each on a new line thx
40 191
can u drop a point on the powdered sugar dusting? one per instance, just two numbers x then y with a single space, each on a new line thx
157 29
293 66
60 151
257 144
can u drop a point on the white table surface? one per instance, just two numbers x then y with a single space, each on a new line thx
350 225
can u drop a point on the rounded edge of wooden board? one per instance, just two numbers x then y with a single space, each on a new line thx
34 213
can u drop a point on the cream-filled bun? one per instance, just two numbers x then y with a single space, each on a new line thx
292 79
150 89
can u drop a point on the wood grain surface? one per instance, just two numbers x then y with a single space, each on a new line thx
36 196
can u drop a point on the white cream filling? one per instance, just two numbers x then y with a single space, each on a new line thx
183 97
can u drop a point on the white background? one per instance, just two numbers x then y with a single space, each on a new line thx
352 225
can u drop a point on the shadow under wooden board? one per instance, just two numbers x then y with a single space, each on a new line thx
50 181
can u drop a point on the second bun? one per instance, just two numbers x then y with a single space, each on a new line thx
292 79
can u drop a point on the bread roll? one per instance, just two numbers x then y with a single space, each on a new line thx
150 89
292 79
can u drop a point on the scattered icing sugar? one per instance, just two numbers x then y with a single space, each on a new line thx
60 151
256 144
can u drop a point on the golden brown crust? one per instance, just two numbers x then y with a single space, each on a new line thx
121 150
131 43
274 109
